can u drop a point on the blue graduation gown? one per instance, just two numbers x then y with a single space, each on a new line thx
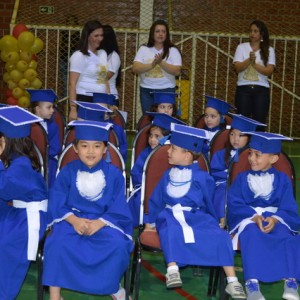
219 172
273 256
54 150
18 182
212 245
90 264
134 201
206 144
121 134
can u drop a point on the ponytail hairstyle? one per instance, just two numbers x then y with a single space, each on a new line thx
265 42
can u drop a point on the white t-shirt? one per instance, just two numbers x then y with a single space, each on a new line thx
250 76
157 78
114 63
92 69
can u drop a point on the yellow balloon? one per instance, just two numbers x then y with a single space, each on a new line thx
36 84
30 74
16 75
11 84
37 46
4 56
9 43
6 77
9 66
22 65
24 102
26 55
13 57
32 64
17 92
26 40
24 83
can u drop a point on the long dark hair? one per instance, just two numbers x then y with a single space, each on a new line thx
167 43
265 42
16 147
110 44
88 28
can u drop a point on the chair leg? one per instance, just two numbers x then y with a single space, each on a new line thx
40 288
127 282
222 285
216 281
212 272
136 270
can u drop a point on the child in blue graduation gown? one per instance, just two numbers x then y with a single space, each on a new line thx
181 210
109 101
42 106
89 247
214 119
158 134
263 214
221 159
23 200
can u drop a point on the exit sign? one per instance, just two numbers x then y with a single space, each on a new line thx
46 9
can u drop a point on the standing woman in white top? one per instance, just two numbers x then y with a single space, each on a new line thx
254 62
110 45
157 63
88 67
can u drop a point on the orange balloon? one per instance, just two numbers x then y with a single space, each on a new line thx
18 29
37 46
26 40
24 102
12 101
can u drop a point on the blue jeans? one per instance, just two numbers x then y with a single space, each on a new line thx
147 99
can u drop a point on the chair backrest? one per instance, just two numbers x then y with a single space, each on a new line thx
39 136
284 164
70 137
38 154
119 119
218 142
200 123
155 166
139 143
143 121
59 119
69 155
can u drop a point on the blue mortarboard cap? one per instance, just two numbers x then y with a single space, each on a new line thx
15 122
91 130
220 105
163 120
243 123
104 98
42 95
164 97
91 111
187 137
266 142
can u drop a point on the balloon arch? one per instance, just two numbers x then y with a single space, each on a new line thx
18 51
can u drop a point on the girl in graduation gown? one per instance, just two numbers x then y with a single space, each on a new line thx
23 203
89 247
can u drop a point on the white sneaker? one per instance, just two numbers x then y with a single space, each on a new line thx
173 280
235 290
253 292
290 290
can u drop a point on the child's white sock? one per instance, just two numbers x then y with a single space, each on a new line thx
119 295
172 269
231 279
